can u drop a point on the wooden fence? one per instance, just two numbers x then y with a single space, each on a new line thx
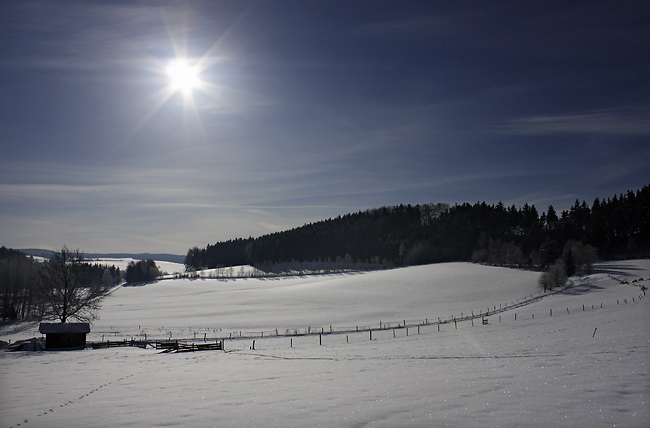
164 345
179 346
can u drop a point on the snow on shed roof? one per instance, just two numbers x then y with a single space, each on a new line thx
75 327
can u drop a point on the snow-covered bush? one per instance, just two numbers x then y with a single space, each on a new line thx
555 276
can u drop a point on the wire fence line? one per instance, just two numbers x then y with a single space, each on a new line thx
413 324
402 324
203 334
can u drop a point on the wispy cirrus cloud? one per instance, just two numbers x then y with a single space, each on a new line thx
83 36
622 121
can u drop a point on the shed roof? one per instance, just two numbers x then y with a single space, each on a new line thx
75 327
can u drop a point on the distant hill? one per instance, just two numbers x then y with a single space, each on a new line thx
174 258
410 235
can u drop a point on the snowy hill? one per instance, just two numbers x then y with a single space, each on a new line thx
263 304
577 358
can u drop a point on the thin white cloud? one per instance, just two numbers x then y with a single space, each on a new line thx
269 227
84 35
625 122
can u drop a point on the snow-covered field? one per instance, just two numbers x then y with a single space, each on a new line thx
574 367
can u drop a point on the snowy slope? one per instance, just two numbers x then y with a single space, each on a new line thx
566 368
340 300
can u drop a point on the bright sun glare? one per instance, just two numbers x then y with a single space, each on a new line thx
183 77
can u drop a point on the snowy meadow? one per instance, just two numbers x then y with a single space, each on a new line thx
576 358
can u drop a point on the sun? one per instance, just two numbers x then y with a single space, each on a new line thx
183 76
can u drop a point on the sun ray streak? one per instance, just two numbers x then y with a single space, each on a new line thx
164 94
210 53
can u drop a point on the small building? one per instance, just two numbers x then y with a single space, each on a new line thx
65 335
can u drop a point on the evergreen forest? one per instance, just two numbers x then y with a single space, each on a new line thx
410 235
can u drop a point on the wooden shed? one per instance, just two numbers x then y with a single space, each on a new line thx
65 335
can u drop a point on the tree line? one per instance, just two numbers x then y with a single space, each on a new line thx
66 286
409 235
142 271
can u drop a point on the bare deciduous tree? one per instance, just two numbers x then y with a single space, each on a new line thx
554 277
66 290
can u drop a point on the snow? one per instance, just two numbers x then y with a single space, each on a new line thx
179 306
122 263
584 368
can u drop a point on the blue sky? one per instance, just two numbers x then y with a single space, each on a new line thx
308 110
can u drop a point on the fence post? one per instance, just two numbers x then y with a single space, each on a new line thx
370 334
347 339
550 311
320 338
393 332
515 316
291 342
